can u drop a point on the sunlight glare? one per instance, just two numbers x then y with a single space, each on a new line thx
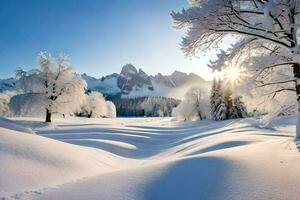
232 75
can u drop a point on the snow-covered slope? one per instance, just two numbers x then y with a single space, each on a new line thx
156 158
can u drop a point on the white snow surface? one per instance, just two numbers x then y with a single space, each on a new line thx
148 158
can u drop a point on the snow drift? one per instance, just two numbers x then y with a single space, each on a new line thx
30 161
150 158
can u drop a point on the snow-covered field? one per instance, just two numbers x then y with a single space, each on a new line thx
148 158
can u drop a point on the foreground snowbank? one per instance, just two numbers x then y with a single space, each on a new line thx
30 161
151 158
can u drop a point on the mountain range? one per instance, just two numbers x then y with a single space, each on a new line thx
131 82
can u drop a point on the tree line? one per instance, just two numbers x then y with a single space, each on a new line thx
155 106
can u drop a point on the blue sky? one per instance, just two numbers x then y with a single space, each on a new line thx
99 35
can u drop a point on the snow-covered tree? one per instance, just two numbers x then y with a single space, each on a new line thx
221 110
27 105
218 109
184 111
227 94
4 102
111 111
198 101
223 105
220 100
214 94
238 109
194 106
56 81
271 25
95 106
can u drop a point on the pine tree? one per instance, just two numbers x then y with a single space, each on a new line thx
217 102
235 106
228 101
221 112
239 109
213 97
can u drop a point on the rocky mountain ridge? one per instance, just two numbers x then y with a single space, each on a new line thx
136 83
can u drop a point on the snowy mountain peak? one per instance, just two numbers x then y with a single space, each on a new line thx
131 79
178 74
128 69
142 73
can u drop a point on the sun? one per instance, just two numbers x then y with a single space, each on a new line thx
232 75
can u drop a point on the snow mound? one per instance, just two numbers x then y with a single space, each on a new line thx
150 158
30 162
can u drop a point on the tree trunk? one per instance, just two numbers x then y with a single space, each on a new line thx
200 116
228 101
48 115
296 70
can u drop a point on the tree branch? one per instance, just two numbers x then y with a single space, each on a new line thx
275 83
250 34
